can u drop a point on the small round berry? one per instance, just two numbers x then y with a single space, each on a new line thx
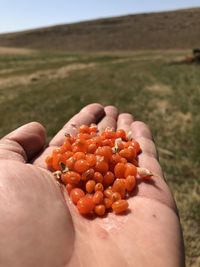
98 197
99 187
100 210
120 206
81 166
90 185
76 194
85 205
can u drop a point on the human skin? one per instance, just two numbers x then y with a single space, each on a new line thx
39 226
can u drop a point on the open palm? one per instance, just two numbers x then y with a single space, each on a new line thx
40 227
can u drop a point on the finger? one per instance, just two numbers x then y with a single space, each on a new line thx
110 118
23 143
124 121
90 114
155 188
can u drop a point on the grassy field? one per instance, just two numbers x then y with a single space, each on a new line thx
153 86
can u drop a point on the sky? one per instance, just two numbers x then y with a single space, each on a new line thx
16 15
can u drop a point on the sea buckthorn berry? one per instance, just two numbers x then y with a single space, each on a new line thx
70 162
69 188
128 153
98 177
85 205
84 129
130 169
116 158
91 148
83 136
116 196
108 193
93 128
98 197
79 155
121 134
91 159
107 202
101 166
119 186
90 185
120 206
105 151
99 187
67 146
136 145
76 194
57 158
108 178
109 134
130 183
79 145
88 175
100 210
68 154
81 166
71 177
119 170
108 142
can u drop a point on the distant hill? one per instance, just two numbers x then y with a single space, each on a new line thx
167 30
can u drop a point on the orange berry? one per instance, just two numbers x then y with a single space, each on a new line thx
98 177
98 197
128 153
81 165
109 134
105 151
101 166
116 158
119 186
76 194
69 188
71 177
107 202
91 159
56 160
84 129
70 163
100 210
68 154
83 136
108 178
130 183
99 187
108 142
93 128
116 196
88 175
136 145
90 185
79 155
91 148
121 134
66 146
130 169
119 170
85 205
120 206
108 193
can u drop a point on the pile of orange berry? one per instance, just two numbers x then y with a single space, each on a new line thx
98 170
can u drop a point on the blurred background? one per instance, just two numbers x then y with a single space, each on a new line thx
142 56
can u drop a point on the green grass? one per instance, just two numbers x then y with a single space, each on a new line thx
149 85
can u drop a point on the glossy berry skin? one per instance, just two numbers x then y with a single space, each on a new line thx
119 170
85 205
116 196
98 177
130 169
120 206
76 194
100 210
130 183
71 177
108 202
99 187
101 166
81 166
90 185
98 197
108 179
119 186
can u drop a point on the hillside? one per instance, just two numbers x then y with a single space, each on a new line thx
166 30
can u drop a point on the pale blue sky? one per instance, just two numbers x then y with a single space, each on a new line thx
17 15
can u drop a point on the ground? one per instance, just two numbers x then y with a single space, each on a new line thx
152 85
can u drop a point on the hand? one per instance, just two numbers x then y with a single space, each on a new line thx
39 227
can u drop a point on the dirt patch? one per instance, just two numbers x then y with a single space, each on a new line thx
160 89
59 73
15 51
